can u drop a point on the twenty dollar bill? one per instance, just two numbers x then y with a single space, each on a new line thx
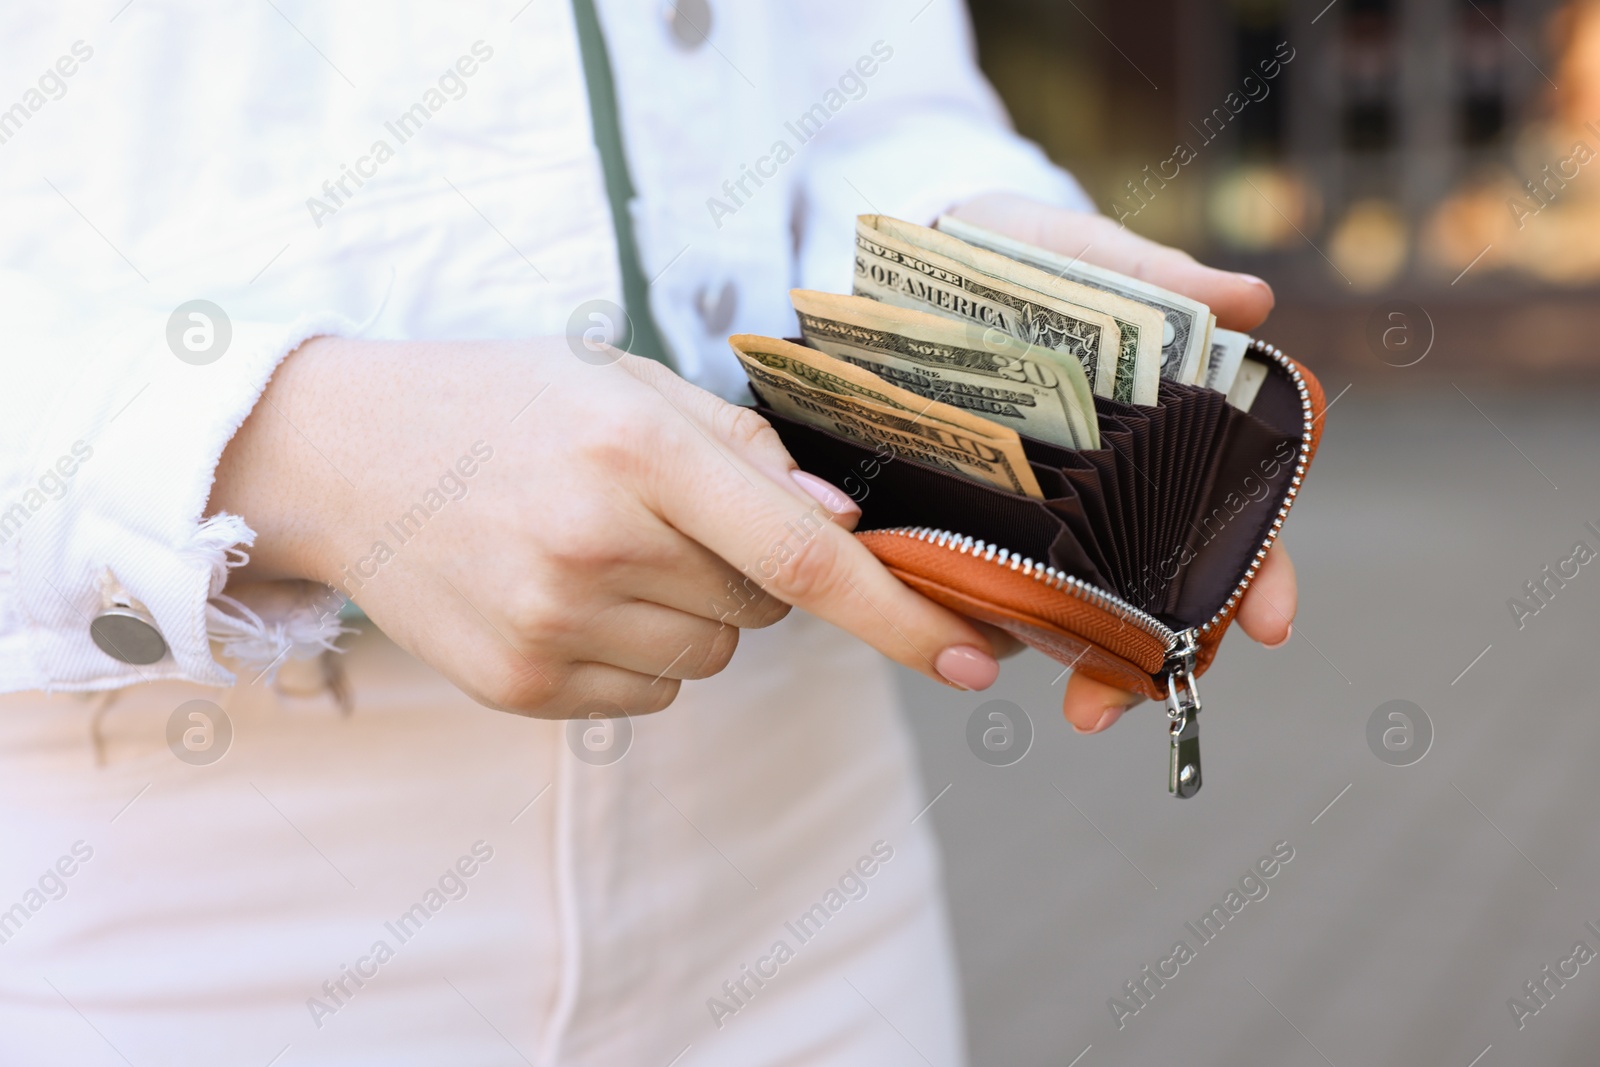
1032 390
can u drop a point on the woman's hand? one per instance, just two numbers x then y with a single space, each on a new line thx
1240 302
552 535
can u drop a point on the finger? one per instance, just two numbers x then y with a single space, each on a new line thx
1240 301
1267 612
1266 615
846 512
1092 706
1001 642
799 556
657 641
746 433
600 688
547 689
675 572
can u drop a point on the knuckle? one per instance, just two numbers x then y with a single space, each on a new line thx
811 572
745 604
1140 266
619 436
656 697
761 613
715 653
586 535
744 428
532 613
522 688
775 611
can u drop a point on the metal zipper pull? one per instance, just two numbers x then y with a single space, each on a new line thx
1183 708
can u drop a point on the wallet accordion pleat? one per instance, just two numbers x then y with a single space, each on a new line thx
1132 566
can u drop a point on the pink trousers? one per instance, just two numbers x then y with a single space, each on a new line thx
738 880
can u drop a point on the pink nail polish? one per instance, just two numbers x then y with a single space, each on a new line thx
1286 635
825 494
968 667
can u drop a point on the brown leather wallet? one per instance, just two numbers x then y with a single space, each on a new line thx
1131 568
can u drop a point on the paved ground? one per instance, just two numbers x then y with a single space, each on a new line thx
1425 896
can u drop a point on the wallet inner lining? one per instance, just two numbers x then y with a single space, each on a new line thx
1166 515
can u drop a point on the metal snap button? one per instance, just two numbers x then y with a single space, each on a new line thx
128 634
689 21
124 629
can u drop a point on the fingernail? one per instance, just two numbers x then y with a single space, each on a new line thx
1253 280
824 493
1111 714
968 667
1286 635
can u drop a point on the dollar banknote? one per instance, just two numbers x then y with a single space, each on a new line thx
818 370
1227 353
1114 339
1131 378
1205 356
1033 390
1242 394
825 374
1186 323
843 399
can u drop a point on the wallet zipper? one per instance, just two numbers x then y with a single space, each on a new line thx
1302 459
1182 646
1183 699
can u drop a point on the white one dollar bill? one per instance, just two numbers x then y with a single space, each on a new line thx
1227 354
1185 322
1243 392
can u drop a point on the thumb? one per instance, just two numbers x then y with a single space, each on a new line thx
1091 706
746 434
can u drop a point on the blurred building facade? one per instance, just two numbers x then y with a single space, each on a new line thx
1441 151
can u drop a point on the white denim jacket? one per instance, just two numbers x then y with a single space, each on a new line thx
399 170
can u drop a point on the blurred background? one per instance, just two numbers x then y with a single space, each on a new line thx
1427 159
1399 144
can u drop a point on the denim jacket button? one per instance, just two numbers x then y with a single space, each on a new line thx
689 21
129 635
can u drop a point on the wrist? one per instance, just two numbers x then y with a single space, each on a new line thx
282 484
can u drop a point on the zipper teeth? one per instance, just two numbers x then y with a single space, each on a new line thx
1050 576
1055 579
1274 353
